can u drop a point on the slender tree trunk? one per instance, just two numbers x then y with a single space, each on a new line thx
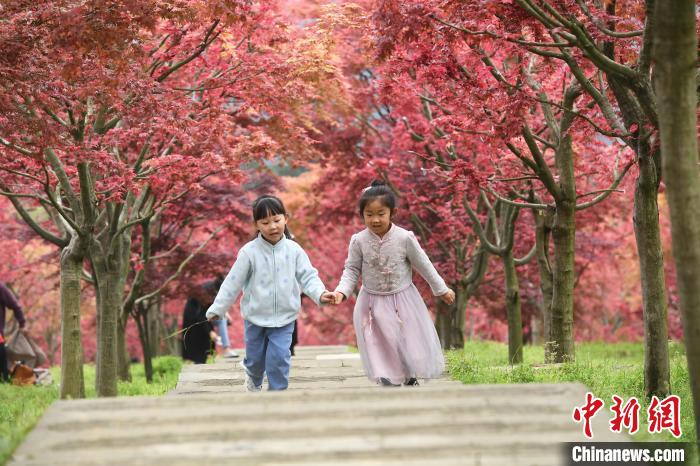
450 320
543 230
154 333
515 324
651 262
98 327
563 236
72 382
148 353
171 345
459 311
536 328
647 233
123 357
675 50
142 324
443 324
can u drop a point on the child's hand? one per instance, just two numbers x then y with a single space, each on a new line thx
327 297
448 297
339 297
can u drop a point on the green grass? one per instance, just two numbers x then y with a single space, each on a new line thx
607 369
21 407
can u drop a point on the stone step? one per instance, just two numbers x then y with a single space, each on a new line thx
330 415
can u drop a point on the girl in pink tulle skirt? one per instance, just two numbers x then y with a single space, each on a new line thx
395 334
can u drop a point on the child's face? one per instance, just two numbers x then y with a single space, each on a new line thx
377 217
272 227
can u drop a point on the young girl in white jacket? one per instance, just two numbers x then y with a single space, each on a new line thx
272 271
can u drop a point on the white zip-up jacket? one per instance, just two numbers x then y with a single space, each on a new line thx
272 278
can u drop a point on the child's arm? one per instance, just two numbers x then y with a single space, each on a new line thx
231 287
308 279
420 261
352 270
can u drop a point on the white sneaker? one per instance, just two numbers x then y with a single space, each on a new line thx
229 353
249 385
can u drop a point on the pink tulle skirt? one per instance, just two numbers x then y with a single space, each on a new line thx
396 336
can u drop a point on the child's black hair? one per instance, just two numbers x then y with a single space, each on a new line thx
378 190
267 206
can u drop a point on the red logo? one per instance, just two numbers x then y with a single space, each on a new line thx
626 416
665 414
587 411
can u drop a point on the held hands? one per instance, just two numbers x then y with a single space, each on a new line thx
448 297
327 297
339 297
332 297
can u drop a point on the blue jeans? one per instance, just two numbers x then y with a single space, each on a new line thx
222 330
267 351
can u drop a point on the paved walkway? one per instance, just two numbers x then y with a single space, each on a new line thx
330 415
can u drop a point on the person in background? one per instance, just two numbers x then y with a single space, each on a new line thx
197 341
7 299
223 339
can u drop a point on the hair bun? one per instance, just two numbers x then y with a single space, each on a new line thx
378 182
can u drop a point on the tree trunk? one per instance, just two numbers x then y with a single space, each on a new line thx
123 358
676 55
459 311
543 230
141 320
450 320
153 323
515 324
563 236
72 382
443 324
651 263
171 345
110 304
98 327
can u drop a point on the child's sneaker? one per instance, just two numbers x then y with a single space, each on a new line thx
412 382
229 353
387 383
249 385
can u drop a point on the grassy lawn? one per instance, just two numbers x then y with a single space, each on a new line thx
607 369
21 407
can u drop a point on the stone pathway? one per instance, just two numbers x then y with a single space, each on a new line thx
330 415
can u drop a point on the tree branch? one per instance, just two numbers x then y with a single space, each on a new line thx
542 168
15 147
29 220
527 257
180 268
63 180
478 229
209 37
606 192
601 27
530 205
